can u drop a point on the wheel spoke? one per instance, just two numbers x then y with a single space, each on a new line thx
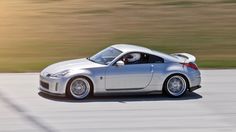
79 88
176 85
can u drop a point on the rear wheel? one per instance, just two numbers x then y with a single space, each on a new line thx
175 86
79 88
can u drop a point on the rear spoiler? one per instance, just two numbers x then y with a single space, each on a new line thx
187 57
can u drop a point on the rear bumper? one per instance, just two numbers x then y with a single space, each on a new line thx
191 89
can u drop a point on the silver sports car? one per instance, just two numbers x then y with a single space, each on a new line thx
122 69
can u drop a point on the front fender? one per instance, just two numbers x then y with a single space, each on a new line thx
81 72
96 76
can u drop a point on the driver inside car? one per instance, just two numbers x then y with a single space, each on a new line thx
133 58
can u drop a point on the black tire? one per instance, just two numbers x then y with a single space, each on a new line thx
86 85
170 90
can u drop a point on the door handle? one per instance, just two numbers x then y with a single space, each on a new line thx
151 68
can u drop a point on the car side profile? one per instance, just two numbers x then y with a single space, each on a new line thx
122 69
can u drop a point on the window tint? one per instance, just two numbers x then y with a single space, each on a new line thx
155 59
140 58
133 58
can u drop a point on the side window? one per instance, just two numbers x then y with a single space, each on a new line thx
141 58
135 58
132 58
155 59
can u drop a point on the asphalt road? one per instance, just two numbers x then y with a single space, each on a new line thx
211 108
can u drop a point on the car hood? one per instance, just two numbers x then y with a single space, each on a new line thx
70 65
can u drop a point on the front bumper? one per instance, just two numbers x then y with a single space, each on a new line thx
49 93
53 86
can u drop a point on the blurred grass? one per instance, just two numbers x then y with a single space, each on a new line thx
36 33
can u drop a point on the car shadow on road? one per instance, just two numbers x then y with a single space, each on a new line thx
123 98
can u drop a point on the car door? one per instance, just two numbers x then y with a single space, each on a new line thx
129 76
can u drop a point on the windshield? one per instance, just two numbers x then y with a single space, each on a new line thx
105 56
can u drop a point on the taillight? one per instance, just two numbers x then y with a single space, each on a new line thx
191 65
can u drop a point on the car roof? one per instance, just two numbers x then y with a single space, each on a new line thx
131 48
134 48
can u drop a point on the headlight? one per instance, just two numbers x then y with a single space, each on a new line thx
60 74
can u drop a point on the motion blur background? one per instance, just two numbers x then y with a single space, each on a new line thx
36 33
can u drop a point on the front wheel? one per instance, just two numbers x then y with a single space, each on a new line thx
78 88
175 86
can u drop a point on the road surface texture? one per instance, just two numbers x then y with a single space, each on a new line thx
209 109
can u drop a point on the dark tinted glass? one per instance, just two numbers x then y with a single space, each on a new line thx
155 59
144 59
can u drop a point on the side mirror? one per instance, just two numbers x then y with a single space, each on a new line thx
120 63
